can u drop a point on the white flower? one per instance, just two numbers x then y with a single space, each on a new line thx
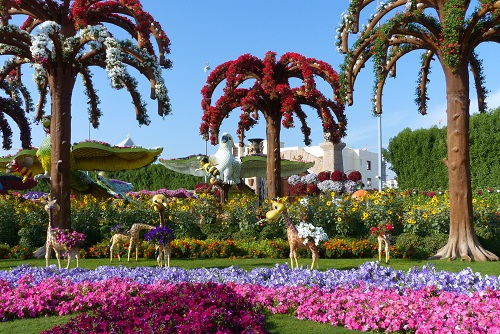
308 231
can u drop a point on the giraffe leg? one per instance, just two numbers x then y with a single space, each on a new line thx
111 249
130 249
58 257
291 259
136 252
69 259
47 254
118 253
379 250
387 252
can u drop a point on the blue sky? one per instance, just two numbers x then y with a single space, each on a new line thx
222 30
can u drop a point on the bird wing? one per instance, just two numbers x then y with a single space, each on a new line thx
186 165
90 155
36 166
256 166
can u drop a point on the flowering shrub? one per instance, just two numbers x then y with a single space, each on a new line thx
382 229
70 239
324 175
310 232
354 176
338 176
160 235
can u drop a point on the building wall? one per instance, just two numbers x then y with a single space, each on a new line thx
361 160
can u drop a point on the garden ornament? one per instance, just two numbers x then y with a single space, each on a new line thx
359 194
134 238
116 241
383 232
85 156
51 243
211 170
294 240
163 249
232 169
22 168
384 241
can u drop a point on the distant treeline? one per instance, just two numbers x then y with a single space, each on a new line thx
156 176
417 156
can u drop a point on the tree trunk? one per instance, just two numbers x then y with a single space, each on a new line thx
273 128
61 89
462 241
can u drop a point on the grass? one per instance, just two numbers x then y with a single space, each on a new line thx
274 323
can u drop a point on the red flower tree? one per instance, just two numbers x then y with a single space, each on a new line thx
65 38
445 32
272 95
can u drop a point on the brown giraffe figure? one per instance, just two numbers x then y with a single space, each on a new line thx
159 203
51 243
134 238
116 241
386 240
296 242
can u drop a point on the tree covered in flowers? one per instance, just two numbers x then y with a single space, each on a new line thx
15 104
448 31
61 39
271 94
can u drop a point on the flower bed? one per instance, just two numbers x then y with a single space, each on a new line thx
371 297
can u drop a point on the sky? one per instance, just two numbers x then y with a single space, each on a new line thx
214 32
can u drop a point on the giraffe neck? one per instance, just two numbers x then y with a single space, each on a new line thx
288 221
51 218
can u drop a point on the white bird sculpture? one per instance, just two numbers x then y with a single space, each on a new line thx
231 169
227 164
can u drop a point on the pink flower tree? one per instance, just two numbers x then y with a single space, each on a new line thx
448 31
272 95
62 39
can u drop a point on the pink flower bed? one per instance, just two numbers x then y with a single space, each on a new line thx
123 306
422 311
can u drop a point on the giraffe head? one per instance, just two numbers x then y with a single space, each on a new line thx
51 205
159 202
277 209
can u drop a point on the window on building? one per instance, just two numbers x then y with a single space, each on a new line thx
368 165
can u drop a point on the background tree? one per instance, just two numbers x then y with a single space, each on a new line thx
272 94
441 29
16 95
415 156
61 39
156 176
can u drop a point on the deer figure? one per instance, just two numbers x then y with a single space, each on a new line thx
294 240
159 203
134 238
384 241
51 243
117 240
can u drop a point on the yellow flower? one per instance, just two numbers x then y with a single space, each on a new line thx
389 212
328 203
339 210
365 215
376 202
339 219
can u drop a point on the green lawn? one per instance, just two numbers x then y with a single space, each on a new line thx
274 323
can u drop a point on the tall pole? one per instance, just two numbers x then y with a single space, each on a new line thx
379 139
380 152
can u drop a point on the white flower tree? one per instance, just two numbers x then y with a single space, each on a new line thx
62 39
